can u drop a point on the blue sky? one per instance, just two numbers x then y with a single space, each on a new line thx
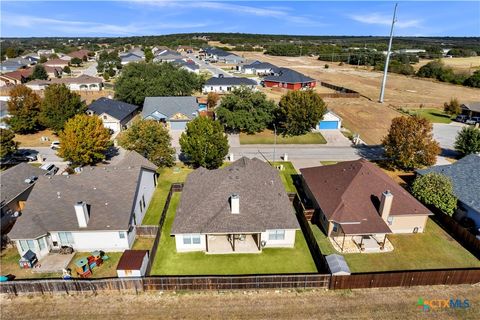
140 17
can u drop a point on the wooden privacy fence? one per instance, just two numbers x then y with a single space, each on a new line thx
406 279
175 187
136 285
147 231
341 92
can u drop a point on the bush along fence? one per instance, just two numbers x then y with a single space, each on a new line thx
340 92
175 187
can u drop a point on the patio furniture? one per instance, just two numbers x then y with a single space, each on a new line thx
29 260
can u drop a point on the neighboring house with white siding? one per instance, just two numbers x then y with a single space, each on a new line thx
81 83
115 115
245 210
227 84
97 209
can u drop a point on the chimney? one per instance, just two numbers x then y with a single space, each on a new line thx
235 204
386 204
81 211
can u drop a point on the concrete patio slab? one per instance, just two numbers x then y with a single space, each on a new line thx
53 262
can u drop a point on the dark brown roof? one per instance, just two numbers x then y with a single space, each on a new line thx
79 53
350 192
264 204
131 259
19 74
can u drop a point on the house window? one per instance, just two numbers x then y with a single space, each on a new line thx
390 221
276 235
27 244
220 88
191 239
104 117
121 234
66 238
41 244
143 201
140 204
211 88
335 227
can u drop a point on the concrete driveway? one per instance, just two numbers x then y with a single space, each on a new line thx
445 134
335 138
175 134
215 71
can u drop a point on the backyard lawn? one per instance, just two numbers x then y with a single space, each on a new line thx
166 178
168 262
9 265
432 115
433 249
143 243
267 137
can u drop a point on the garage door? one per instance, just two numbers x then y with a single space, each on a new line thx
326 125
178 125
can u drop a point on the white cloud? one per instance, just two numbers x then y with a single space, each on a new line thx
385 20
86 28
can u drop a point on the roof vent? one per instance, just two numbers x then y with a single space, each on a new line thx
235 204
58 194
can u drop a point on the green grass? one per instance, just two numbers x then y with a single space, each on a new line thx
167 176
432 115
143 243
267 137
107 269
327 163
433 249
279 260
9 265
287 175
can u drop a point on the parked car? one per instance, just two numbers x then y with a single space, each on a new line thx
461 118
25 155
473 120
55 145
50 168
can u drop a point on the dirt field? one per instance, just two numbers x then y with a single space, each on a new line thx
388 303
34 140
365 115
460 65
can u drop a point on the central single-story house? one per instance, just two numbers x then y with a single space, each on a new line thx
175 112
167 56
330 121
81 83
465 176
116 115
289 79
259 68
471 109
97 209
242 208
227 84
356 202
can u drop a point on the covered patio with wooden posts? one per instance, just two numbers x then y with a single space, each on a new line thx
233 243
346 239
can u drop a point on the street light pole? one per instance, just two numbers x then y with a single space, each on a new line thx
387 60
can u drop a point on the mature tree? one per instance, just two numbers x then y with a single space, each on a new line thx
148 54
108 60
76 61
468 140
437 190
452 108
212 100
11 53
53 56
24 109
39 72
43 59
300 111
473 80
84 140
106 76
246 110
204 143
152 140
67 70
7 144
59 104
409 143
140 80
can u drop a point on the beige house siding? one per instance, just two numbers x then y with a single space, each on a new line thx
407 224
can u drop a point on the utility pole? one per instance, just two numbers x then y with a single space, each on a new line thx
387 60
274 142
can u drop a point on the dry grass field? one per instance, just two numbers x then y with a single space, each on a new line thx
460 65
34 139
385 303
365 115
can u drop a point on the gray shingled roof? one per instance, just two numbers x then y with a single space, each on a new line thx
109 191
117 109
260 65
473 106
13 183
169 106
288 76
205 207
232 81
129 57
465 175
